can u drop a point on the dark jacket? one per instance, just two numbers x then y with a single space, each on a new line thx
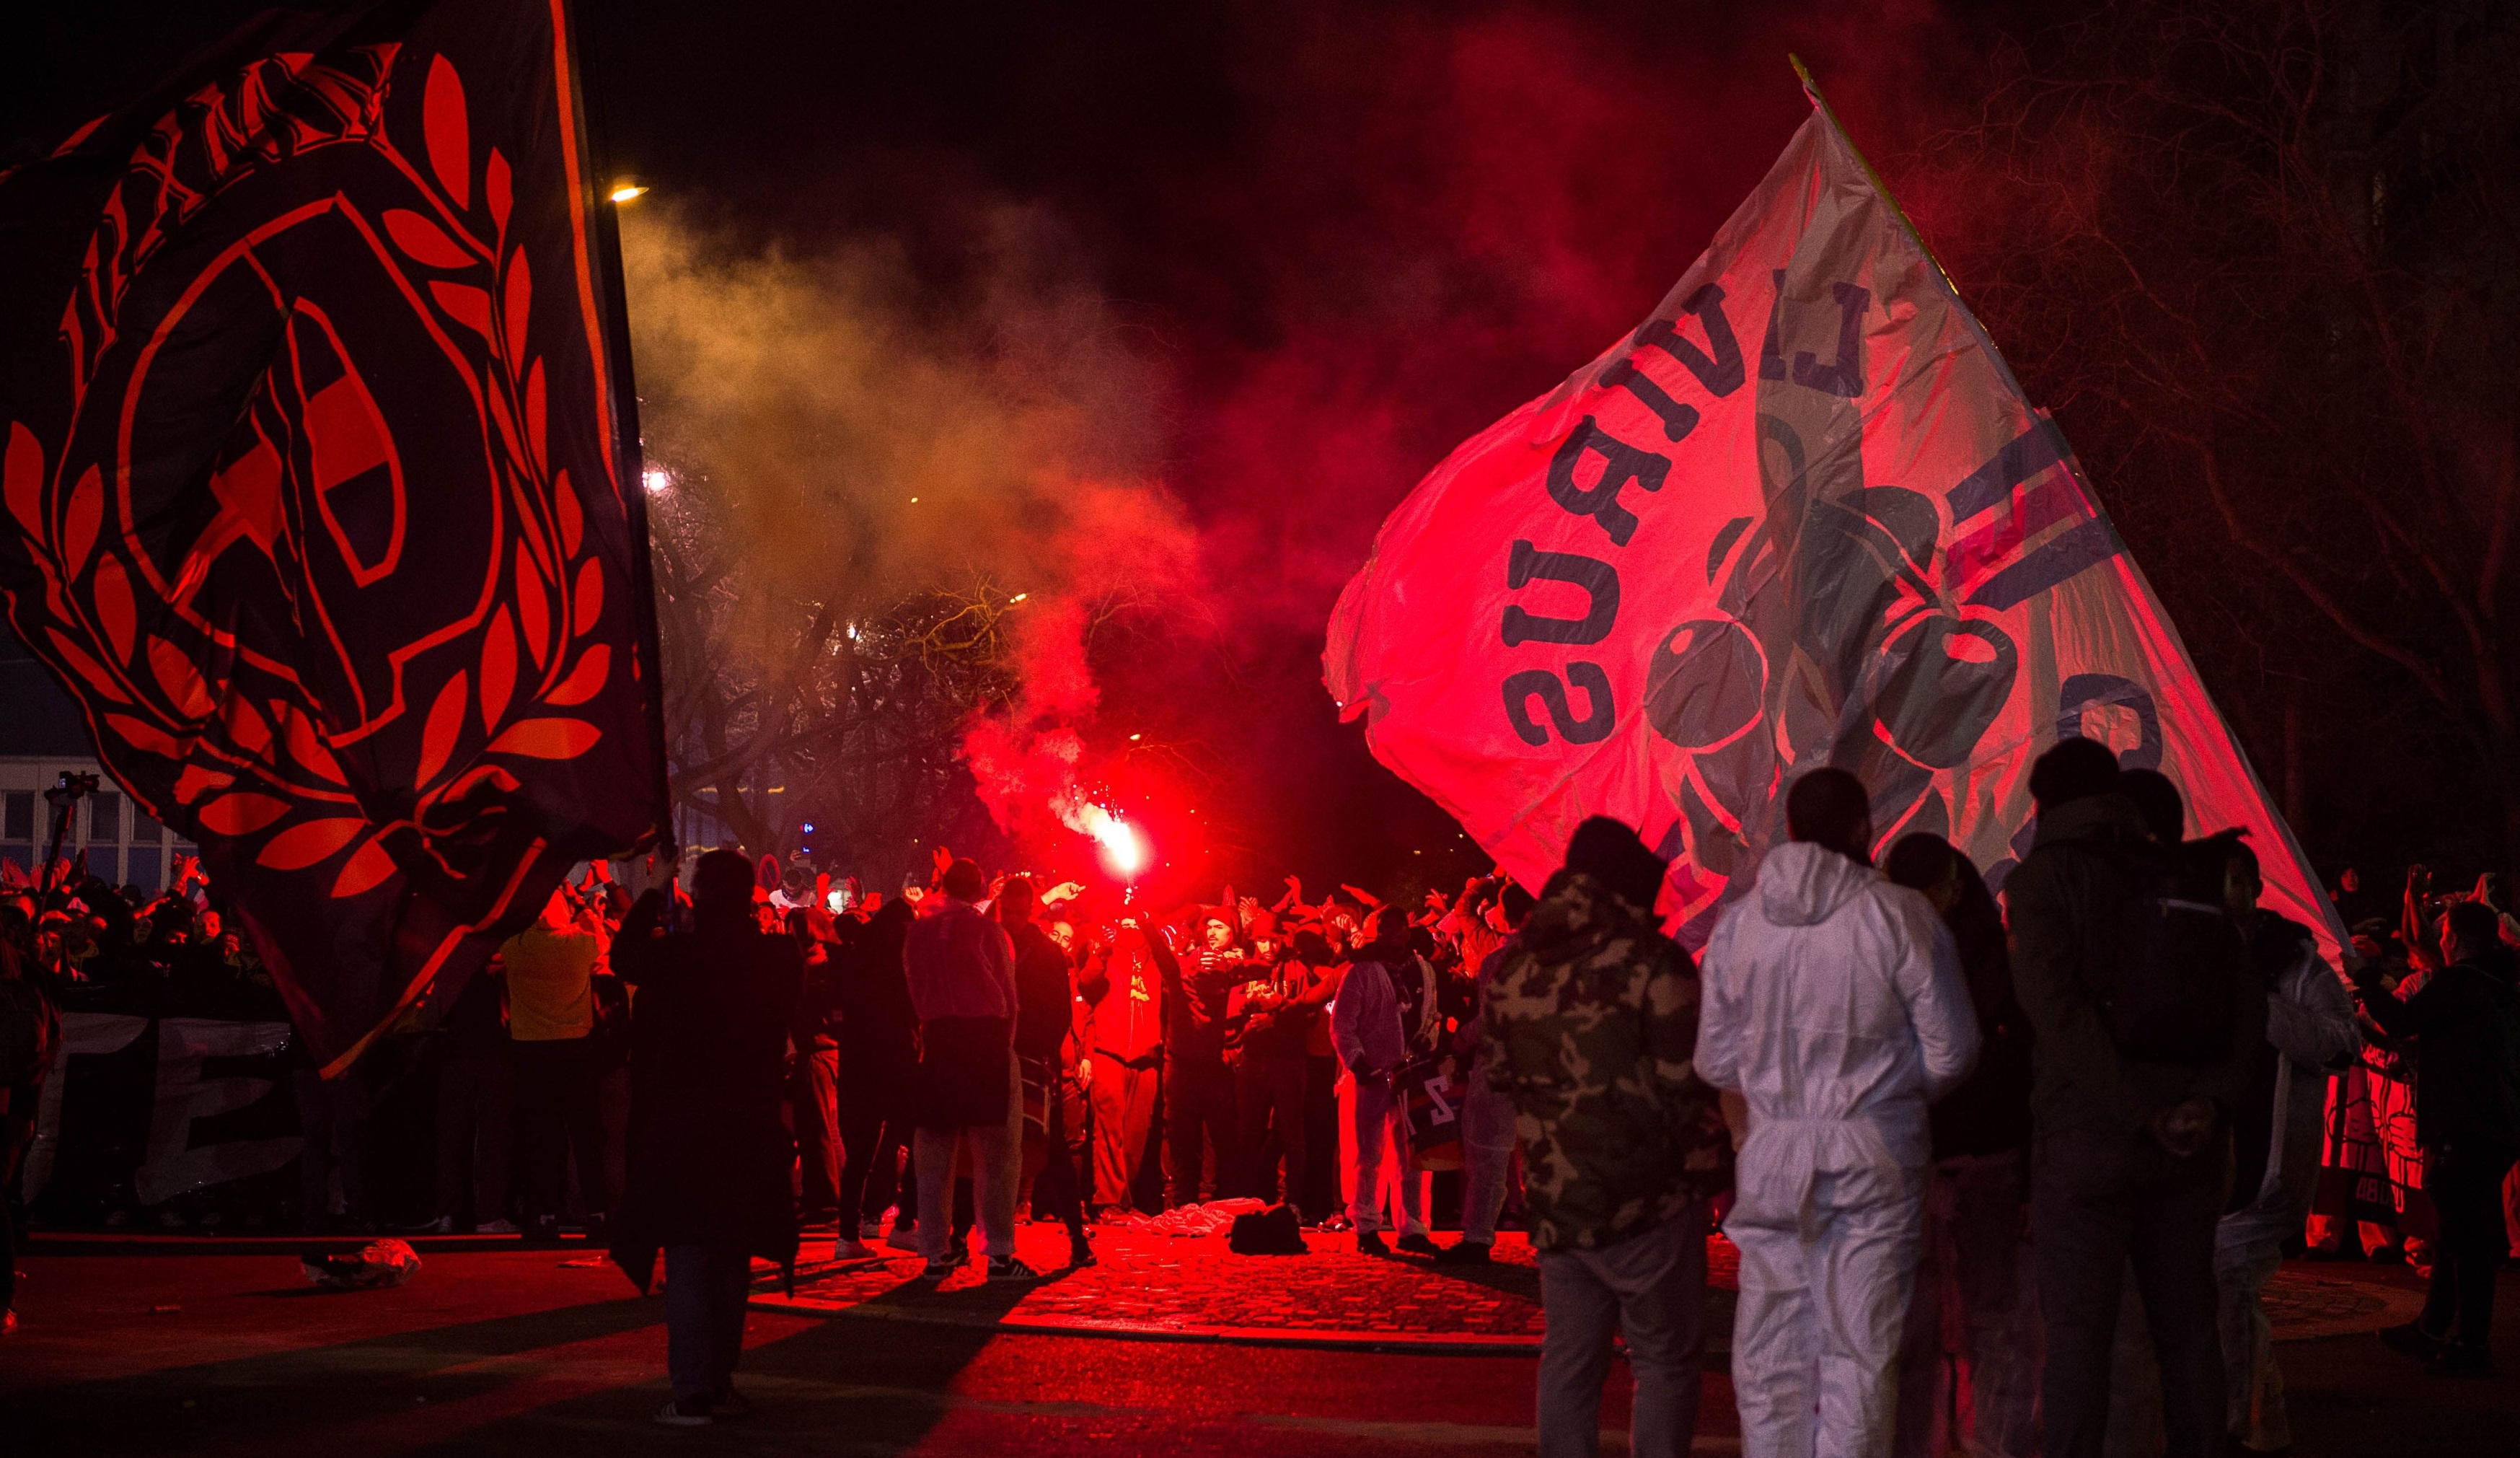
1990 1112
1045 998
1197 991
708 1154
2461 1019
2067 900
879 1027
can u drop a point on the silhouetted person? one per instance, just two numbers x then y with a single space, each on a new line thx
2311 1033
879 1052
1488 1119
2464 1022
1201 1154
709 1155
1973 1322
1045 1015
2146 1021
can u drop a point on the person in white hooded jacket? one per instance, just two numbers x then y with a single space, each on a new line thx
1834 1003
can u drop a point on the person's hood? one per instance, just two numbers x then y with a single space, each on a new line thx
1802 885
1575 914
2095 817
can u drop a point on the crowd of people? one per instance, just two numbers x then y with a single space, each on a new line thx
1972 1153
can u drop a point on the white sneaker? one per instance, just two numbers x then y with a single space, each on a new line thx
498 1227
673 1416
871 1230
845 1248
1010 1268
442 1226
904 1238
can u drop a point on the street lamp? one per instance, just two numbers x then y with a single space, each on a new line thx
628 190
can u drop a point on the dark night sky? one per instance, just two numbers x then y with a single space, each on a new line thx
1349 236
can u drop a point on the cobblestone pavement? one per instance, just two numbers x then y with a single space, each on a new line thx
1149 1285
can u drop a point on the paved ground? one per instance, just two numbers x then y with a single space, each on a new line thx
1152 1285
512 1351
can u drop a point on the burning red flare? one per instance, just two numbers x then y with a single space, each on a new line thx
1122 850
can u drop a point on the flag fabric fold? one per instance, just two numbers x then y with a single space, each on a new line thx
315 449
1803 514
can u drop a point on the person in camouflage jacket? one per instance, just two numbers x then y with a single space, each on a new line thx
1591 1027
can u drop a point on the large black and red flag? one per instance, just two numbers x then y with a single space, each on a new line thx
319 475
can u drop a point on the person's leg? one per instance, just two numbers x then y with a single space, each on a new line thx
728 1286
691 1315
1322 1137
315 1157
1487 1149
933 1152
818 1128
1372 1100
16 1127
457 1128
1660 1278
2473 1243
1924 1429
1182 1109
2172 1249
2084 1221
491 1159
1776 1341
1993 1279
1288 1116
1579 1314
996 1153
541 1157
2248 1250
1867 1255
860 1119
1412 1186
584 1111
1223 1129
1106 1091
1258 1177
1056 1188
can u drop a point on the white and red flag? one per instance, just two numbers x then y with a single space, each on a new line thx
1803 514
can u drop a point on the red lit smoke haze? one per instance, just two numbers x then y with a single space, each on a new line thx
1239 278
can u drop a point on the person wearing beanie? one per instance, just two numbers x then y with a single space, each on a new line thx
1834 1003
1588 1025
2129 1126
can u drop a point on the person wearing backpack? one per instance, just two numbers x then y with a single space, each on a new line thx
2465 1022
2145 1019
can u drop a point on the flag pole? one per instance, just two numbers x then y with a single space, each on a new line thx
628 446
1890 200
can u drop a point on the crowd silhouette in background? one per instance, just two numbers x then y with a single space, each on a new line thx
1998 1175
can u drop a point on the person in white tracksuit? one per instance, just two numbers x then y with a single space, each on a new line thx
1834 1003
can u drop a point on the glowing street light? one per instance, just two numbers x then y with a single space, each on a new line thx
656 479
628 190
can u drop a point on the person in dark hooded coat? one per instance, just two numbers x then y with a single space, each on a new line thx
709 1155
